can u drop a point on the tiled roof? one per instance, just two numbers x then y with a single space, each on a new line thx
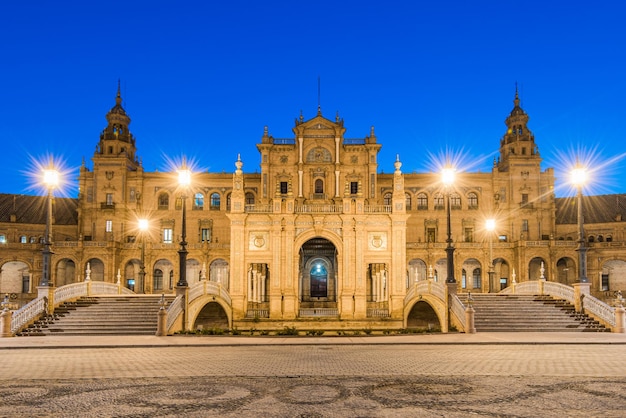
596 209
32 209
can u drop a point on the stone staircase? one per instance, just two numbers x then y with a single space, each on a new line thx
102 315
527 313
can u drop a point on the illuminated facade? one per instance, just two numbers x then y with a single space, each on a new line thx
318 233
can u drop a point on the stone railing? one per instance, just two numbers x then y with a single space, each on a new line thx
425 287
559 290
28 313
206 287
258 209
174 311
527 288
458 310
378 313
599 309
257 313
318 312
319 209
377 209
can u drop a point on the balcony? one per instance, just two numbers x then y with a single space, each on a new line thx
107 206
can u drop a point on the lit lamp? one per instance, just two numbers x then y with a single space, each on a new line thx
490 225
143 227
579 177
51 180
447 176
184 180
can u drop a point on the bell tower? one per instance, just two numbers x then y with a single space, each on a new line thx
116 141
518 143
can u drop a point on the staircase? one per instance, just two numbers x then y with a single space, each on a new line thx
102 315
527 313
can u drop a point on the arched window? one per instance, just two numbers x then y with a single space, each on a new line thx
164 201
215 201
422 201
472 200
23 239
439 205
198 201
249 198
387 199
591 238
455 201
476 278
407 201
319 186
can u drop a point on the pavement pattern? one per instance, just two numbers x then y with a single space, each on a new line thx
424 376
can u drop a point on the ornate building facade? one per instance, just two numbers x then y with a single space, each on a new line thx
319 232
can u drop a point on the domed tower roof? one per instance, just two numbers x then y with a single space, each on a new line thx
518 141
116 140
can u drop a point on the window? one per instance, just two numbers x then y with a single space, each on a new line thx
132 195
524 225
476 279
502 238
23 239
524 198
455 201
431 233
33 240
407 201
3 239
387 199
605 281
283 187
422 201
198 201
249 198
463 279
354 187
109 201
472 201
468 234
439 202
319 186
89 194
167 235
205 235
109 226
215 201
158 279
164 201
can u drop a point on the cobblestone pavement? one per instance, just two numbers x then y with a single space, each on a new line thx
525 380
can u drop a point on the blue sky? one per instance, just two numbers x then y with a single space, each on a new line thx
203 78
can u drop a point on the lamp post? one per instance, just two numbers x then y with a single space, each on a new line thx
447 176
579 177
143 227
184 179
490 225
51 180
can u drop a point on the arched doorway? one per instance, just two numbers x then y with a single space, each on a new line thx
318 271
535 271
219 272
14 278
95 269
417 271
65 272
566 271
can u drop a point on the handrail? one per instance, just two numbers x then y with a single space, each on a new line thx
599 309
27 313
458 309
173 311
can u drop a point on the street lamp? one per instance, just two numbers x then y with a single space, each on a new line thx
579 177
490 225
143 227
51 180
447 176
184 180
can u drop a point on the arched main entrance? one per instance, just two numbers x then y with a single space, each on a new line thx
318 271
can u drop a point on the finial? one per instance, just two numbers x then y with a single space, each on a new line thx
265 130
301 116
238 164
319 110
337 117
118 98
516 101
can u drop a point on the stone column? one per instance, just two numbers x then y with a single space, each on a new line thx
469 320
5 323
580 290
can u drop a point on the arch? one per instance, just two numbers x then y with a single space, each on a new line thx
215 201
472 277
219 271
65 272
15 277
534 269
162 275
423 316
422 201
212 315
472 200
387 198
566 271
96 269
250 198
198 201
319 186
408 201
501 276
318 270
131 274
